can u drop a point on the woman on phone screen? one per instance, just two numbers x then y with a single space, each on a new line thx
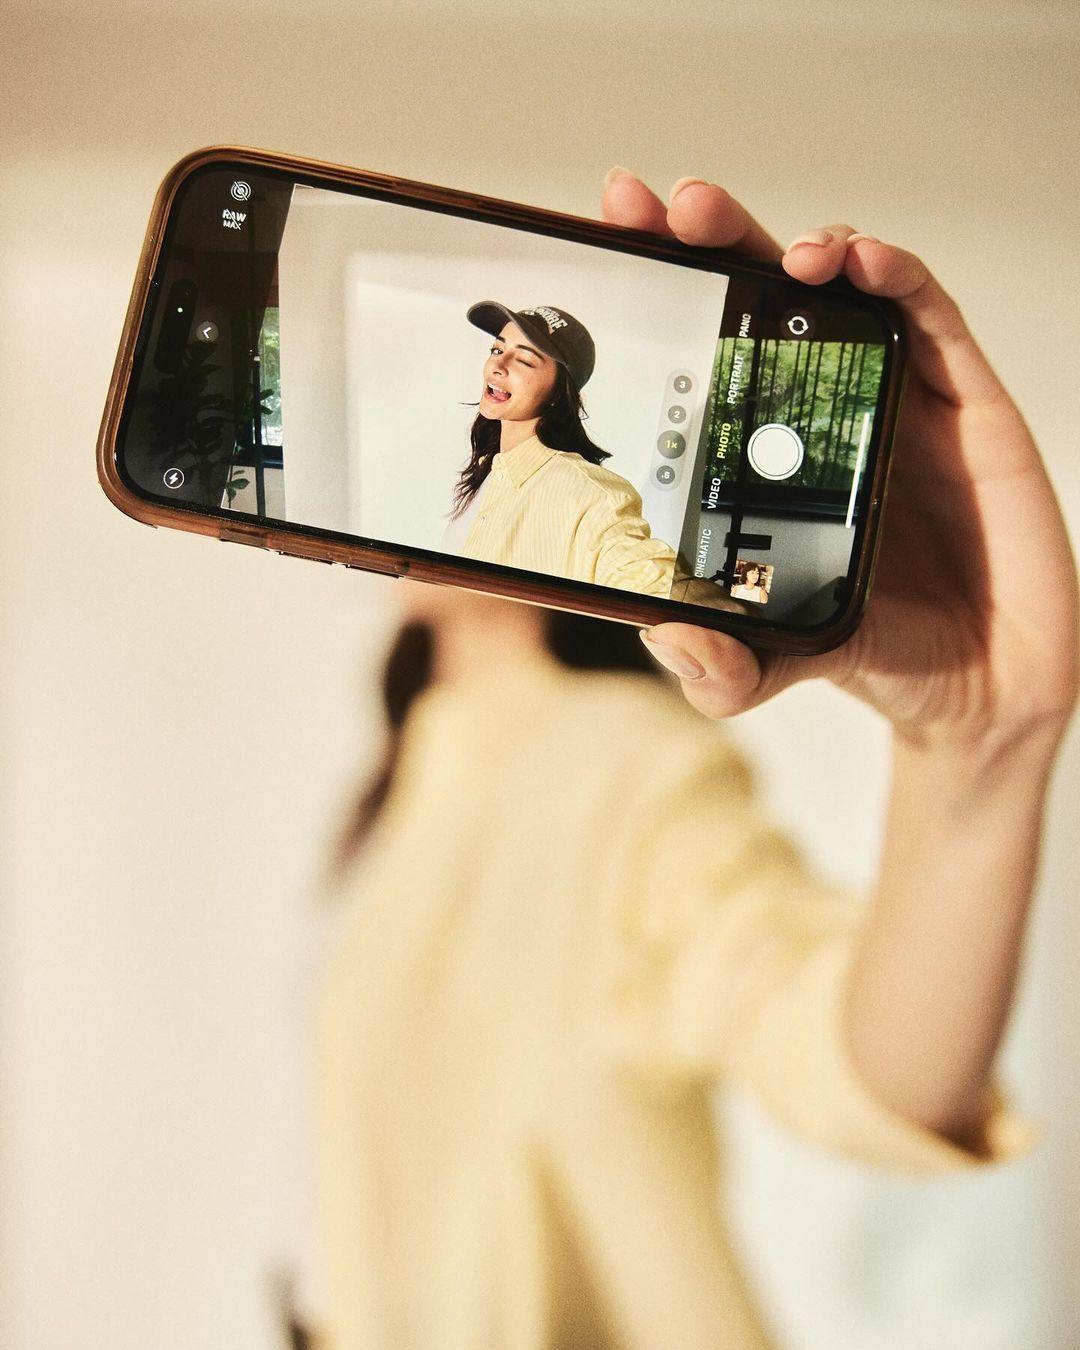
534 493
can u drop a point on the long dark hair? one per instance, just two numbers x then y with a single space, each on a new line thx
560 427
574 640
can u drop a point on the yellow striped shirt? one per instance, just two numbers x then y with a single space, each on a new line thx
569 925
551 511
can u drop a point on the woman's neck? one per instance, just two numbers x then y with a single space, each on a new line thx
468 650
513 433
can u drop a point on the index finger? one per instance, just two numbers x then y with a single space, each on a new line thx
698 213
943 350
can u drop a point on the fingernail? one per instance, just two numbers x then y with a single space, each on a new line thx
674 658
854 238
616 171
813 237
681 183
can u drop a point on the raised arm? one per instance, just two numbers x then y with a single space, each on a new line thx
978 680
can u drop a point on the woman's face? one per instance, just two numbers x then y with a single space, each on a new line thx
752 575
518 379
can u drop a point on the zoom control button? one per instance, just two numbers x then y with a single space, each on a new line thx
671 444
665 475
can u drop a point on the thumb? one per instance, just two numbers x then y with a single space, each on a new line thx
720 675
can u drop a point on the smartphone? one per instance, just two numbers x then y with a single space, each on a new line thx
359 369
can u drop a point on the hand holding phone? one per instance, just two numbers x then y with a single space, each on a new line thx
971 634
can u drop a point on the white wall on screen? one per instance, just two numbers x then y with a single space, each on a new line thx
312 324
413 363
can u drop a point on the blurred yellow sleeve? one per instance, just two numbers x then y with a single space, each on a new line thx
730 963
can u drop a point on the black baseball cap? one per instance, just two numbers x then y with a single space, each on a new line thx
552 331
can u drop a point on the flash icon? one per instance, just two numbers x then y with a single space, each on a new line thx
174 478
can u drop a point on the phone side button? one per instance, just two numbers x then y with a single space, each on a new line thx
396 571
304 557
228 536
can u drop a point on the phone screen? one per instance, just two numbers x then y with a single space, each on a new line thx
410 375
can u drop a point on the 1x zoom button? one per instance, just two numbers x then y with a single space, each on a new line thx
671 444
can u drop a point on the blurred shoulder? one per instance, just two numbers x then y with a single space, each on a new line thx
538 741
645 723
625 725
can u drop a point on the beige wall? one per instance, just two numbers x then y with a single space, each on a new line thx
180 720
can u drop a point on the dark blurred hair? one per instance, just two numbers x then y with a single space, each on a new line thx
560 428
575 640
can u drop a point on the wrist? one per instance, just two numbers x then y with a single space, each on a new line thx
997 753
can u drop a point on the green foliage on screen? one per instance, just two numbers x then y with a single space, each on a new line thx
821 389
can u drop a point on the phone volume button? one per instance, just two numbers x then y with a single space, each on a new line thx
235 536
304 557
